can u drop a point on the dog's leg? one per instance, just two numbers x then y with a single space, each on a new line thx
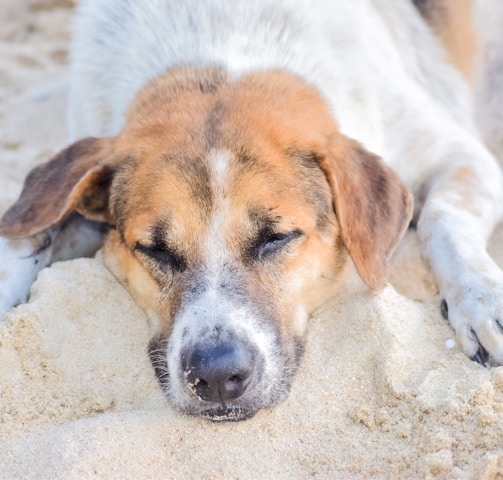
20 262
22 259
462 205
489 80
77 237
44 215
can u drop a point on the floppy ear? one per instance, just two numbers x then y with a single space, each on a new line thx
373 207
75 179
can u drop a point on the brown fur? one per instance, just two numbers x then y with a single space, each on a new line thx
52 190
452 22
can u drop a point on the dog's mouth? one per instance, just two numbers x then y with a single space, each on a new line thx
224 413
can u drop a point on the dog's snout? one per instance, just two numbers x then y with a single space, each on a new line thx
219 373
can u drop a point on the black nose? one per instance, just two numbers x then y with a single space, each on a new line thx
219 373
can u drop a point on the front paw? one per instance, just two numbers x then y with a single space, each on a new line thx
20 262
10 297
477 318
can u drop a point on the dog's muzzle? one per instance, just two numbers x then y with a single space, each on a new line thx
228 375
225 357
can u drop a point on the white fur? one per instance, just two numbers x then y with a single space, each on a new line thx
20 266
216 251
22 259
203 316
489 81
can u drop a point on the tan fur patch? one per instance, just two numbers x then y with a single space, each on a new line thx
452 21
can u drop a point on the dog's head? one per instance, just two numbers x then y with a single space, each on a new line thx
234 206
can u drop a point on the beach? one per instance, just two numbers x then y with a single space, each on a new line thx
383 390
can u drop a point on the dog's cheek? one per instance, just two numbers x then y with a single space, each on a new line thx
314 276
131 273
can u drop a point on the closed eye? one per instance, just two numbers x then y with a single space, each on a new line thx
270 243
163 256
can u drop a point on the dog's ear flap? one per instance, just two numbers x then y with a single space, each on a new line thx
75 179
373 207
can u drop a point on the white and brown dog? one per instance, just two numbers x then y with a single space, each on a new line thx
227 147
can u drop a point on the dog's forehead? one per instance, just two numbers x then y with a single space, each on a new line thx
217 149
189 190
202 109
195 184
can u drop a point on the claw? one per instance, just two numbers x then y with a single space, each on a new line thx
482 356
444 309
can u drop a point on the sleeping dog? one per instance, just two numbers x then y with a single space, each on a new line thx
244 156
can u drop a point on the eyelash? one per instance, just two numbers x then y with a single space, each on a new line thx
162 256
266 246
269 243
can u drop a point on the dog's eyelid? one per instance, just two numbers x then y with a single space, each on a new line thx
163 255
284 236
271 242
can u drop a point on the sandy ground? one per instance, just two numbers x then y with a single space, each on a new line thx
379 394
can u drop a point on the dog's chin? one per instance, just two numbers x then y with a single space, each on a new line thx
223 413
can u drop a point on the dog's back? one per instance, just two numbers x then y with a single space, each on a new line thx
489 73
115 54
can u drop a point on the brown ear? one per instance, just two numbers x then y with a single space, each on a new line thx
373 207
75 179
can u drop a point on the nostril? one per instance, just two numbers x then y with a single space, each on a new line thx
219 373
233 387
198 387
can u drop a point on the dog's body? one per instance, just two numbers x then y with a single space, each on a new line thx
230 130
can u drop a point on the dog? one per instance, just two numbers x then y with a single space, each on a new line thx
241 158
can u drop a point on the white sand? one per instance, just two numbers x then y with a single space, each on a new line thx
379 395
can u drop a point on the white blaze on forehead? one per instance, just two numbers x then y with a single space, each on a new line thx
216 249
219 162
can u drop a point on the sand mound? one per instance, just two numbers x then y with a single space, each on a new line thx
379 394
